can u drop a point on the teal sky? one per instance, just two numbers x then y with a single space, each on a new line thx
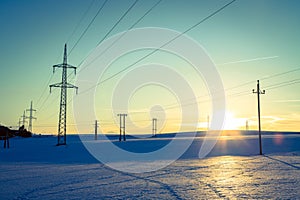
249 40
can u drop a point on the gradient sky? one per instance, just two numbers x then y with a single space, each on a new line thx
249 40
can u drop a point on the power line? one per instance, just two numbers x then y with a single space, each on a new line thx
242 93
81 19
122 35
273 86
145 14
237 94
120 19
270 87
282 73
46 86
56 112
86 29
41 108
51 76
127 11
168 42
71 35
50 116
248 83
46 99
44 90
112 28
283 84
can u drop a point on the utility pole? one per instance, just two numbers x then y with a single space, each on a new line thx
63 85
31 110
154 127
247 125
259 92
96 126
122 126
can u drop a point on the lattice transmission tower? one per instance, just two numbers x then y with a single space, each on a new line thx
154 127
63 85
23 117
30 117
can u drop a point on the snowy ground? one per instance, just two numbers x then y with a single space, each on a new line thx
34 168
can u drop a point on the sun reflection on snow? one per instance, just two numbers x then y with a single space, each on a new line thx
233 142
278 138
228 175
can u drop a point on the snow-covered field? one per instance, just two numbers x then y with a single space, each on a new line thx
34 168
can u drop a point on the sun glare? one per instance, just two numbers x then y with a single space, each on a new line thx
233 123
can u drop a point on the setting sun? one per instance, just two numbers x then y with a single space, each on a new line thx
154 99
233 123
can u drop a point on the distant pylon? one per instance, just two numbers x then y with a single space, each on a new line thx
20 122
96 127
63 85
247 125
122 126
154 127
31 110
23 117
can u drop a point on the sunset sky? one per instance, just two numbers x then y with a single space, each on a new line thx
247 41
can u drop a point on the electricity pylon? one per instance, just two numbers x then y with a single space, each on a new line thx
96 127
31 110
63 85
122 126
154 127
258 92
20 122
23 117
